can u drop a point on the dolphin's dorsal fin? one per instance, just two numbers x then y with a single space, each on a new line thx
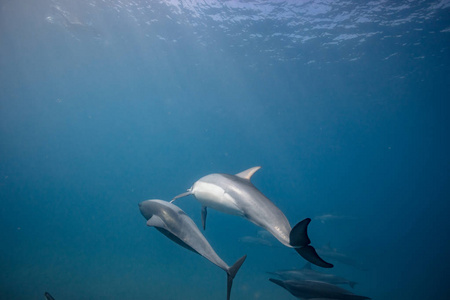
156 221
247 174
307 266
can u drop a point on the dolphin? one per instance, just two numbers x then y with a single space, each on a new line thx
332 254
310 289
173 222
307 273
236 195
330 217
252 240
263 238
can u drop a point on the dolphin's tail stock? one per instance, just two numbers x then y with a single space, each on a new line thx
231 273
300 241
189 192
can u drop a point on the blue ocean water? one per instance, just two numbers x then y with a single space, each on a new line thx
104 104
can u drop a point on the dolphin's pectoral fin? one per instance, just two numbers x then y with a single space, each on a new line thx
310 254
204 213
247 174
156 221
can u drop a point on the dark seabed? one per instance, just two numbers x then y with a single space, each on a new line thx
104 104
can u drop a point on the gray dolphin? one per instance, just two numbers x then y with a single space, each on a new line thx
307 273
236 195
332 254
253 240
310 289
171 221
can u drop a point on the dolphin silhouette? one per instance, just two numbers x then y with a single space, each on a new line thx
236 195
310 289
332 254
307 273
173 222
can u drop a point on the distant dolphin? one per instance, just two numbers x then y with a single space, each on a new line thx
255 241
310 289
236 195
330 217
263 238
171 221
334 255
307 273
48 296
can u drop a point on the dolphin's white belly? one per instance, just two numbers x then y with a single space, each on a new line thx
215 197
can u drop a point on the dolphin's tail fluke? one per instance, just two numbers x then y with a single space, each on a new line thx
298 236
231 273
300 241
352 284
309 253
189 192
